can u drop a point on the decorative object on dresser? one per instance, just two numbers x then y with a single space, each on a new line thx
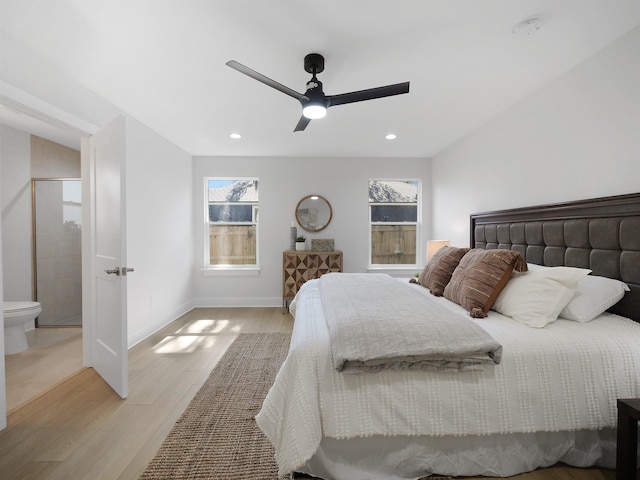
301 243
293 235
298 267
322 245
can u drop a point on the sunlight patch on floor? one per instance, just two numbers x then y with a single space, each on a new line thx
184 343
204 326
195 335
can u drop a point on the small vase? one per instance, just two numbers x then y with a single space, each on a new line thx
301 246
293 235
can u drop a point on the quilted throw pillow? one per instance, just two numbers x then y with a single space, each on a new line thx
438 271
480 277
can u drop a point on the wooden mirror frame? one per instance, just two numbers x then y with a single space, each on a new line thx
303 224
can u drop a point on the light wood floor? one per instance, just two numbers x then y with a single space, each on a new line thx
54 354
82 430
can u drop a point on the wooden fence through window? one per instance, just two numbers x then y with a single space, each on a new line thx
236 244
232 244
393 244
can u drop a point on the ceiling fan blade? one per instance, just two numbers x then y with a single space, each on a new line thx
302 124
266 80
369 94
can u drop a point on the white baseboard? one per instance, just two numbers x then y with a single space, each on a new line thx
144 333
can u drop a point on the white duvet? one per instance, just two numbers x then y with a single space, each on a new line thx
564 377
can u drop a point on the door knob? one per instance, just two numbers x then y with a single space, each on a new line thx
119 271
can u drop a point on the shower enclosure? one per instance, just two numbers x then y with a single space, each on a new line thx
57 251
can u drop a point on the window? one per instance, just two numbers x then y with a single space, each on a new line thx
393 215
232 216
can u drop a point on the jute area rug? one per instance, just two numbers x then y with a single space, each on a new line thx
217 437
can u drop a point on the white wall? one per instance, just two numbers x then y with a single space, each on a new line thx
159 196
15 177
3 384
576 138
283 182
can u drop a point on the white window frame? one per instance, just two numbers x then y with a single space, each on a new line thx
229 269
399 268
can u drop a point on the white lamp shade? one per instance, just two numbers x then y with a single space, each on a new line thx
434 245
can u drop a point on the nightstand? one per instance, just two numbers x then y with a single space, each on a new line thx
627 447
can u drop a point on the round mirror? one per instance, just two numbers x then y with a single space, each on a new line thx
313 213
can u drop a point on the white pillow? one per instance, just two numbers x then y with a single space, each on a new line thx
536 297
592 297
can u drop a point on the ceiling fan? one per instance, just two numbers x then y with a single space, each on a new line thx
314 102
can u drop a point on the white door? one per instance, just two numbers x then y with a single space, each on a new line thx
108 253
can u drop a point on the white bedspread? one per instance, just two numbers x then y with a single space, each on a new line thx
401 330
566 376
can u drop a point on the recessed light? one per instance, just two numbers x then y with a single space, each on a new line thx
391 136
235 136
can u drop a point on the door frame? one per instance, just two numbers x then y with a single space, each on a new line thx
40 109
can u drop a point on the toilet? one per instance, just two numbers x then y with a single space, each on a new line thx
16 316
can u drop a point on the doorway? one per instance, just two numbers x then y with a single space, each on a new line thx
54 353
57 250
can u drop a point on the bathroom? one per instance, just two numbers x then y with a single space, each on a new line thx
47 270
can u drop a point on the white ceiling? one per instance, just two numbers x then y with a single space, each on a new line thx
163 62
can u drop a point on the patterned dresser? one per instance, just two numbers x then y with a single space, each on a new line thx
300 266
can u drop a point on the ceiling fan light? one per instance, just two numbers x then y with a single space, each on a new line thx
314 111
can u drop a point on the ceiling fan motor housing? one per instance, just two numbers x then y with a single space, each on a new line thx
314 63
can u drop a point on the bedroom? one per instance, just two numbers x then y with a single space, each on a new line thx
581 125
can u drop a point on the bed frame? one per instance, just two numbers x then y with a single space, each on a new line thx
601 234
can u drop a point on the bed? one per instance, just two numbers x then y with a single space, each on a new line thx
550 397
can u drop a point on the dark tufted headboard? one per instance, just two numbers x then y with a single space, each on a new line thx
602 234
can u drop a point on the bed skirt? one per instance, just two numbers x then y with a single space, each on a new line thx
488 455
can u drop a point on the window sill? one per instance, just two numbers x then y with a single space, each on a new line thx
231 271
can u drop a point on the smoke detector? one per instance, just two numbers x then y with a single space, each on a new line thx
527 27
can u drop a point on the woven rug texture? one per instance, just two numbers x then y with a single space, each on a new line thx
217 437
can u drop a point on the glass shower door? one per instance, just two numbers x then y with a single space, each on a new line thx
57 251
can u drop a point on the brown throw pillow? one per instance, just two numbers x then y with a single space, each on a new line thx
480 277
438 271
